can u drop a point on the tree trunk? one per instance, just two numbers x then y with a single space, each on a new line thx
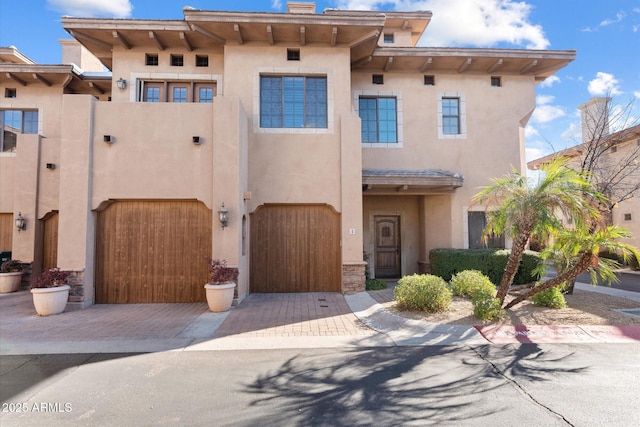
583 265
513 263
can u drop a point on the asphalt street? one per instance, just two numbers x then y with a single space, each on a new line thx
523 385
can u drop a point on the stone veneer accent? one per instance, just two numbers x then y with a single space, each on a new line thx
353 278
76 281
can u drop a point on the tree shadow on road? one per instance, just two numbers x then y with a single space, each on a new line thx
385 386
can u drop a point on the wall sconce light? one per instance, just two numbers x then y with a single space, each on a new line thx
21 222
109 139
121 83
196 140
223 216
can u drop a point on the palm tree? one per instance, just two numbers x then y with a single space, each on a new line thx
581 247
523 211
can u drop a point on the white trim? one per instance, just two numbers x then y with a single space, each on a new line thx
463 115
293 71
399 115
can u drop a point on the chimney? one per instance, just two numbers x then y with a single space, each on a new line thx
595 118
74 53
301 7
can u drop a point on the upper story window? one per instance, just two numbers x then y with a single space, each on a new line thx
293 102
202 61
205 94
429 80
293 54
379 119
377 79
151 59
496 81
388 38
10 93
152 93
450 116
177 60
179 94
14 122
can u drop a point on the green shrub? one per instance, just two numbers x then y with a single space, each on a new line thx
490 262
375 285
551 297
471 282
423 292
487 308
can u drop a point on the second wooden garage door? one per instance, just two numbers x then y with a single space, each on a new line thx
295 248
152 252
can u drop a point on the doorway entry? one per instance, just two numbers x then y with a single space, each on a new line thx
387 246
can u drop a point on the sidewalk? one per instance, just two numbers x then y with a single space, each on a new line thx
262 321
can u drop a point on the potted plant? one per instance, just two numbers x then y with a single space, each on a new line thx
222 283
50 291
10 276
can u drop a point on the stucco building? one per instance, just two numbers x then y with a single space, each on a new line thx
326 136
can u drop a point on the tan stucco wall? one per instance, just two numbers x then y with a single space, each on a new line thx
494 142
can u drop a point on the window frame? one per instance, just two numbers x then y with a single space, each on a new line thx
288 100
461 117
149 59
202 60
176 60
33 127
378 121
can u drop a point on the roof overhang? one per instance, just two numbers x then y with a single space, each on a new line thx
538 63
11 55
67 77
409 182
202 29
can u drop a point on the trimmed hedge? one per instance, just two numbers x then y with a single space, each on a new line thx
446 263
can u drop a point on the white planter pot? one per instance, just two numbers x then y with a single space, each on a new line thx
50 301
10 282
219 297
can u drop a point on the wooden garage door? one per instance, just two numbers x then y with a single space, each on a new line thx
295 248
152 252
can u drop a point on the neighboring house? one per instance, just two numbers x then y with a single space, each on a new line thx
323 135
617 171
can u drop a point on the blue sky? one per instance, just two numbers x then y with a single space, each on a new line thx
606 35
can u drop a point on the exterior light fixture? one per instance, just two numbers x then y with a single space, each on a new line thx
121 83
21 222
223 216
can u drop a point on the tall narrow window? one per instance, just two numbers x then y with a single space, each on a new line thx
379 119
450 116
293 102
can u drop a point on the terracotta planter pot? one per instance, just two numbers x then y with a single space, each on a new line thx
219 297
50 301
10 282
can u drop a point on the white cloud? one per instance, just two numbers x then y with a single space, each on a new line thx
545 112
619 17
604 84
480 23
276 4
549 81
93 8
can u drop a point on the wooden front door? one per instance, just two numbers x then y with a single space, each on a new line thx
295 248
50 241
387 255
